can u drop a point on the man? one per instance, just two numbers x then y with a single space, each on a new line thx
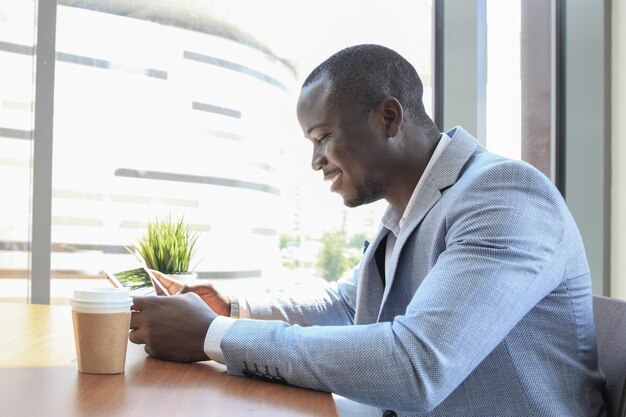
473 299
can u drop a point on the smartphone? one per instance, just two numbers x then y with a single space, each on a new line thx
138 281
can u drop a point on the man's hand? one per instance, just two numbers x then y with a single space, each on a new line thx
172 328
216 301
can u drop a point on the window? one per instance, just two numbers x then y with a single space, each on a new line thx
190 111
16 90
503 78
521 82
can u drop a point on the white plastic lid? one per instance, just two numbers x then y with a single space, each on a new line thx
101 298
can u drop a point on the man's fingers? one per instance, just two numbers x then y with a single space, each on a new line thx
172 285
198 286
158 289
139 302
147 349
183 290
136 320
172 328
137 336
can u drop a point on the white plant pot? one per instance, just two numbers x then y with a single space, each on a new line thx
184 276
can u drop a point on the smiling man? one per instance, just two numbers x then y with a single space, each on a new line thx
346 125
473 299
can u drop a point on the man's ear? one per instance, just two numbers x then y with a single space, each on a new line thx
392 115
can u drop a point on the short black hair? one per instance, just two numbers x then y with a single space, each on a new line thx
370 73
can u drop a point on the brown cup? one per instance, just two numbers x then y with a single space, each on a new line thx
101 319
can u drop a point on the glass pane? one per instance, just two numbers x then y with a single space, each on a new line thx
503 78
521 100
17 20
189 111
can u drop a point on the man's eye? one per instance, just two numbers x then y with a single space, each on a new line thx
322 138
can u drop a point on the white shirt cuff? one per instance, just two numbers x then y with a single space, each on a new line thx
214 336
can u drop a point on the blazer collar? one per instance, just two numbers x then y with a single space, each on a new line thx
448 168
443 174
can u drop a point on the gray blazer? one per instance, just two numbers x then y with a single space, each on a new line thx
487 310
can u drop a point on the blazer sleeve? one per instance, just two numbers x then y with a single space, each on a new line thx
330 304
502 255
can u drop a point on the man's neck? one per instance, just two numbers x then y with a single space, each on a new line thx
415 160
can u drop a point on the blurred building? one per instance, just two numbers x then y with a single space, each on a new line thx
158 120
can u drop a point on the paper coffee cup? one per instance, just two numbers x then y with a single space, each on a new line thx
101 318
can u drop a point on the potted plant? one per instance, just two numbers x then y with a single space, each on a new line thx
168 247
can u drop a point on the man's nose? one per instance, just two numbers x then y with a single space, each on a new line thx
319 159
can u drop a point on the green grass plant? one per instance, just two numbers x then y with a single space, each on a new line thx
167 246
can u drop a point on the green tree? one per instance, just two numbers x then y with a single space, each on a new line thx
357 240
330 259
288 240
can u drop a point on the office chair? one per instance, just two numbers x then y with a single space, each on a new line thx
610 320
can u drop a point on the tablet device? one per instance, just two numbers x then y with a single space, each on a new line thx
138 281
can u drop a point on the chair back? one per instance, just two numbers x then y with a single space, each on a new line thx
610 320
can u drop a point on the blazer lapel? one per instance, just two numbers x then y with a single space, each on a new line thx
443 174
370 288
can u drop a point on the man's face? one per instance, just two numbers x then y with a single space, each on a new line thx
348 147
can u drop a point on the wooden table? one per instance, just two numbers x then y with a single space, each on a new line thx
39 378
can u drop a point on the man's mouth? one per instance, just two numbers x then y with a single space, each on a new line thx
332 177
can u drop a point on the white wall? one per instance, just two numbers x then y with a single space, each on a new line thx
618 205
